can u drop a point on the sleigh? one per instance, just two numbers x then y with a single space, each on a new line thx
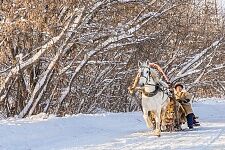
173 118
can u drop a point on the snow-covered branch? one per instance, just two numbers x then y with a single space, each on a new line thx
187 70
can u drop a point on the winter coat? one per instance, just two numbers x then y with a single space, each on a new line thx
184 98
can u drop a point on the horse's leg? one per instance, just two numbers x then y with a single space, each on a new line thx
157 131
151 117
163 122
147 119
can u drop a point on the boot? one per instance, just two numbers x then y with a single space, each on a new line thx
195 122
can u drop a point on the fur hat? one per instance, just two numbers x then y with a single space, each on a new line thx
178 84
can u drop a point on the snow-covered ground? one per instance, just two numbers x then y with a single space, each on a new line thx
112 131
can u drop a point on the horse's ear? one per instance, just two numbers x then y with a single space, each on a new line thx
139 64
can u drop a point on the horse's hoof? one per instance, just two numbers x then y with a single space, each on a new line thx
156 133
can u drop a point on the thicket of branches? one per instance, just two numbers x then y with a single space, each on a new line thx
73 56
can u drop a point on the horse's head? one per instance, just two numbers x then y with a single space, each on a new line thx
147 75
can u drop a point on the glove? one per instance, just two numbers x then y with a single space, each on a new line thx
184 101
179 100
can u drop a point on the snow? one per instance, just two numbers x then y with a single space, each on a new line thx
112 131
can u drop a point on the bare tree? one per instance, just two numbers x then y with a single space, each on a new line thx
80 56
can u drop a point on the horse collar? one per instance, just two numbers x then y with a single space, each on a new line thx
151 94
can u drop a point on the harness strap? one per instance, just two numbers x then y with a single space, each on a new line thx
151 94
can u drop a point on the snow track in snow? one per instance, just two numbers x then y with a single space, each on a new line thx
112 131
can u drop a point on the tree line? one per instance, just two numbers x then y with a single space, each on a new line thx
73 56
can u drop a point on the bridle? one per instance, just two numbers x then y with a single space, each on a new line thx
157 86
148 77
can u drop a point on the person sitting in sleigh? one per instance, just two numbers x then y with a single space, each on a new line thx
184 97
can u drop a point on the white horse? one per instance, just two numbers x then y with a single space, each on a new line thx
154 96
